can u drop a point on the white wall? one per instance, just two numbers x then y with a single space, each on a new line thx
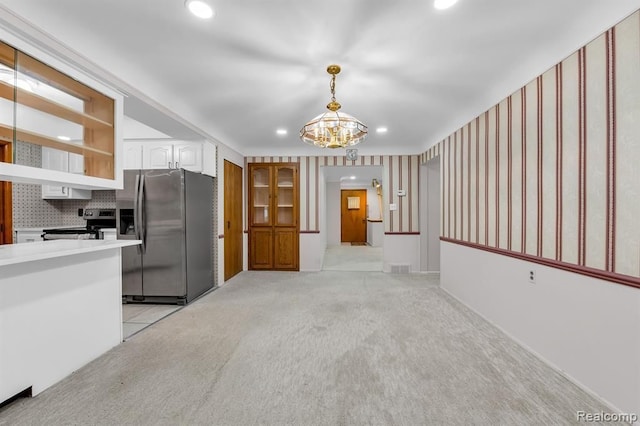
226 153
322 216
430 216
401 249
585 327
312 248
332 212
434 211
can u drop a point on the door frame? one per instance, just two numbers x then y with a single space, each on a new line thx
233 195
6 200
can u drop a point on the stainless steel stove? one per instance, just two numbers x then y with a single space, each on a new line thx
97 220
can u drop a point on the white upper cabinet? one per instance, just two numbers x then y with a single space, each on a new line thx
55 159
172 155
157 156
180 155
188 156
209 158
195 156
132 155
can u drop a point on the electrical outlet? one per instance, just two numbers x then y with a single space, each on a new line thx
532 277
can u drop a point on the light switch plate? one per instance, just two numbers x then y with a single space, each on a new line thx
393 206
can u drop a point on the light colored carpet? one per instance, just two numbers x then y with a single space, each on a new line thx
352 258
327 348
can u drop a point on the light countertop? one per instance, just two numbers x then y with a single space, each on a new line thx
19 253
41 228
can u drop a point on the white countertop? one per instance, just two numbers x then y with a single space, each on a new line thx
18 253
41 228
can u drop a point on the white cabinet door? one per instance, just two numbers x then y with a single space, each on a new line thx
55 159
188 156
76 163
156 156
164 155
133 155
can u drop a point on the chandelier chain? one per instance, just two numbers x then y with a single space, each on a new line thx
332 86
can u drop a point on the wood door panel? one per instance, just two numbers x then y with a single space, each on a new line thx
285 241
353 221
233 234
261 249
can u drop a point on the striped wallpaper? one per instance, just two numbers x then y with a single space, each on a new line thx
552 173
400 172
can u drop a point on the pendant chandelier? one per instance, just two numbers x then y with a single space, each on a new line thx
333 129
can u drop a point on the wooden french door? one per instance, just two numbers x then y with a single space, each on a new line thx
353 223
6 232
233 254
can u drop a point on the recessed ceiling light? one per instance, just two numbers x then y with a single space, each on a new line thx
281 131
199 8
64 138
381 130
444 4
352 178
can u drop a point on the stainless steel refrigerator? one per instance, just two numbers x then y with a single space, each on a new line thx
171 211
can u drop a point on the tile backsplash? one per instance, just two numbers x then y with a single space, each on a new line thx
30 210
99 200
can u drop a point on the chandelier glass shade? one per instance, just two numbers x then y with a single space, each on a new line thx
333 129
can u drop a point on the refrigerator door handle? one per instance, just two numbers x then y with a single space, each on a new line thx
143 219
136 210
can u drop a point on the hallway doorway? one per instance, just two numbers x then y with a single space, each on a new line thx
353 216
340 254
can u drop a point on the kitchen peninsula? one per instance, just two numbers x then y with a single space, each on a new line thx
60 308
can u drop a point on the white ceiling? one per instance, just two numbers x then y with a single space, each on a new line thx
261 65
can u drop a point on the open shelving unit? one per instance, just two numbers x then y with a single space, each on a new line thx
46 100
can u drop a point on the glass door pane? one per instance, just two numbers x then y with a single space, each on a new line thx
285 191
260 181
